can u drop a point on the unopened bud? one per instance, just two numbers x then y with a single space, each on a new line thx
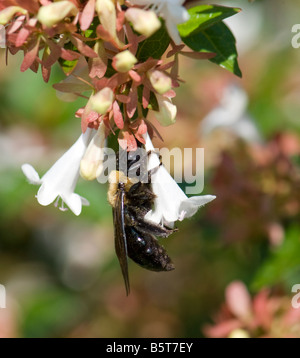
239 333
106 10
52 14
7 14
124 61
91 165
105 7
144 22
102 101
167 111
161 82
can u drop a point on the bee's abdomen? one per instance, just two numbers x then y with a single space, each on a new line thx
145 250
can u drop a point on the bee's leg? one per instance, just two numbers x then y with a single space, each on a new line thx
154 152
135 216
153 229
155 169
141 192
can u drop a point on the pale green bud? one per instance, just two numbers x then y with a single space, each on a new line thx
239 333
7 14
52 14
102 101
124 61
161 82
167 111
145 22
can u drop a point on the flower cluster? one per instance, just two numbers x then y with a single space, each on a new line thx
266 315
122 56
269 176
110 38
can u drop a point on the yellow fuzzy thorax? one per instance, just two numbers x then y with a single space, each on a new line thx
114 179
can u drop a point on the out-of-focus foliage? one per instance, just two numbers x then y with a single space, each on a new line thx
61 273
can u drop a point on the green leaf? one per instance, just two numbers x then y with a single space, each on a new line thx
218 39
282 263
155 46
204 16
67 66
153 104
50 313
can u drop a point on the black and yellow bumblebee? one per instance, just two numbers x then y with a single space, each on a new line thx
135 237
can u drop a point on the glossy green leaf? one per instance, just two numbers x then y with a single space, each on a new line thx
218 39
204 16
155 46
67 66
281 263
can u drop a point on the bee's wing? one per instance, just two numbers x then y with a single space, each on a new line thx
120 237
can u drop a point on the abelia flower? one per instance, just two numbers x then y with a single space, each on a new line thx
171 204
91 165
266 315
61 179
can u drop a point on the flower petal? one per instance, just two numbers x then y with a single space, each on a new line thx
178 13
31 174
74 202
84 201
173 31
190 206
46 195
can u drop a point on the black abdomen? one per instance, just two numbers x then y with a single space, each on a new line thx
144 249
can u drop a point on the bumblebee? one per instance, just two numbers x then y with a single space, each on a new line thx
135 237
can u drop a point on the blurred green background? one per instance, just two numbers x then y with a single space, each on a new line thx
60 271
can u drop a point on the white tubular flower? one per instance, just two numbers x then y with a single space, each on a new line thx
171 10
91 165
171 204
61 179
232 114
